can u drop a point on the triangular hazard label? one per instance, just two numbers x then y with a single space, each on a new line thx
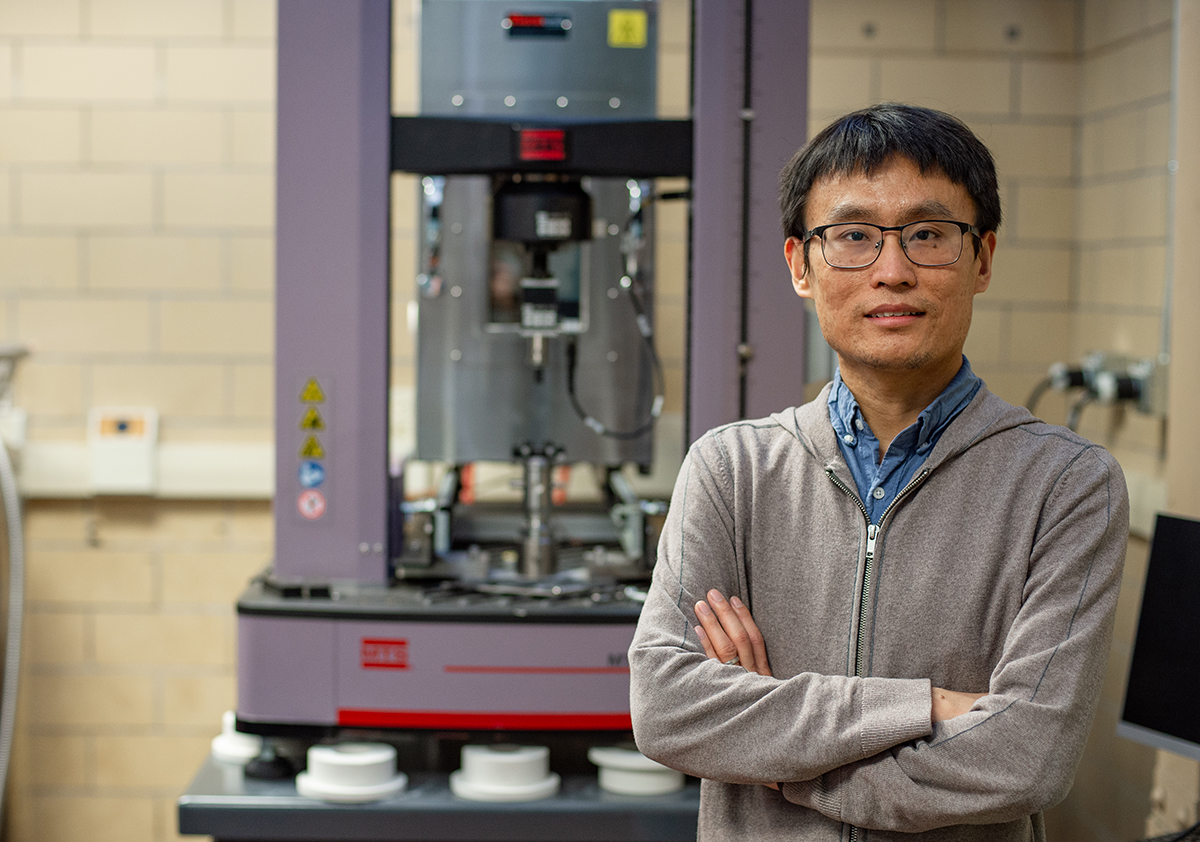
312 449
312 421
312 392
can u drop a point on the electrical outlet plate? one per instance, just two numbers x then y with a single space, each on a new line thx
123 450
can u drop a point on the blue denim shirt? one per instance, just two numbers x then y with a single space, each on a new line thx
879 482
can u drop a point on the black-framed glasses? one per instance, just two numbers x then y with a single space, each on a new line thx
855 245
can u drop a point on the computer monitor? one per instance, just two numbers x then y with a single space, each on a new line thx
1161 708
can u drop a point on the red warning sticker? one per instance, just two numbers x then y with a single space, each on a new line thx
311 504
378 653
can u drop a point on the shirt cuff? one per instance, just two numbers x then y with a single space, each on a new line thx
894 711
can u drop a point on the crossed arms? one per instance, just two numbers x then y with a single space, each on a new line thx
728 633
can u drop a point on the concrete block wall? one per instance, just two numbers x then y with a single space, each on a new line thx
136 259
136 192
136 151
1123 204
129 660
1123 221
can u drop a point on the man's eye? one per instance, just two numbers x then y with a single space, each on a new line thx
854 235
926 234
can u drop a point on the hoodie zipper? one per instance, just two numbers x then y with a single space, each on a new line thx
869 569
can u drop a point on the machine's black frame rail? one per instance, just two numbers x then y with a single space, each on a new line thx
468 146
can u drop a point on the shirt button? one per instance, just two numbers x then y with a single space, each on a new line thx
848 439
858 423
878 493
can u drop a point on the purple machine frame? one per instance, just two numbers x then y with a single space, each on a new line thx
331 298
332 350
745 356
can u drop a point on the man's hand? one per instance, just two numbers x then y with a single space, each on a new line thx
948 704
728 632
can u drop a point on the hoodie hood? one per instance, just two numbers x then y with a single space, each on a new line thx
986 415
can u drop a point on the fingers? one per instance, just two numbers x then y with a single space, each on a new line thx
709 650
727 631
757 644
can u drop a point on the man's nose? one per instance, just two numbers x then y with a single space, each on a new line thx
893 267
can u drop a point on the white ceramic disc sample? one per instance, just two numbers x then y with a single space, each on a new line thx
504 773
352 764
629 772
351 772
323 791
474 791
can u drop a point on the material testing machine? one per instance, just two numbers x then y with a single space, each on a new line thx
537 144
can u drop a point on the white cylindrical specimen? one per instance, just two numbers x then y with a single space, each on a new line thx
629 772
504 773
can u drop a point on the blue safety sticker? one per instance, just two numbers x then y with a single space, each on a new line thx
311 474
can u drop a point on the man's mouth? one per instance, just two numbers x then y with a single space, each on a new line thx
890 314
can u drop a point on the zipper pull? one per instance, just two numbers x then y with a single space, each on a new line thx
872 533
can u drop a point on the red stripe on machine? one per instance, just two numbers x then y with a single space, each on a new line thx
484 720
492 670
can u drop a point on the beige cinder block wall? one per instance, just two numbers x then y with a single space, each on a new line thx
136 164
136 258
1121 237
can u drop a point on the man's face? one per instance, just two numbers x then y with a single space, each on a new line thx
892 315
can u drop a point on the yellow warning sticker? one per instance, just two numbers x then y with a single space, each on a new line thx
312 392
312 420
627 28
312 449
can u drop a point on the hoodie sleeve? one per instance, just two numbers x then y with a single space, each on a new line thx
722 722
1016 751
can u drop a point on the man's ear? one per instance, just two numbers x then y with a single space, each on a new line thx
793 252
987 251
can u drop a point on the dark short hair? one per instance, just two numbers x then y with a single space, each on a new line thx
865 140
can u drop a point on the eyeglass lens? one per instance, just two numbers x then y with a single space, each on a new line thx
856 244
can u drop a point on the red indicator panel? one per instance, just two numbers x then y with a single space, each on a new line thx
542 145
378 653
527 21
554 26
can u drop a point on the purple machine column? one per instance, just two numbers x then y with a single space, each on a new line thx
746 332
331 294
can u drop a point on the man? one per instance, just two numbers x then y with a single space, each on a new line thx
932 571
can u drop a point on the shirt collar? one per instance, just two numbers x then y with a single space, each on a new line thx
844 411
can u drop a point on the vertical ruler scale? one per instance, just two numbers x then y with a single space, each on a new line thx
331 294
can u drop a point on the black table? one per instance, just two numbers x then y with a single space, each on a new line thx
222 803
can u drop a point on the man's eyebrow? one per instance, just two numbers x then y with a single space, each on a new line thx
847 213
932 209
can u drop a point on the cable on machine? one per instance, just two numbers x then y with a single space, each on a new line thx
647 332
633 242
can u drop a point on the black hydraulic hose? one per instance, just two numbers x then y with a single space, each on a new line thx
647 332
660 381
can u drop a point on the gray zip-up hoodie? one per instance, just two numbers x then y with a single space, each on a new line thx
996 570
